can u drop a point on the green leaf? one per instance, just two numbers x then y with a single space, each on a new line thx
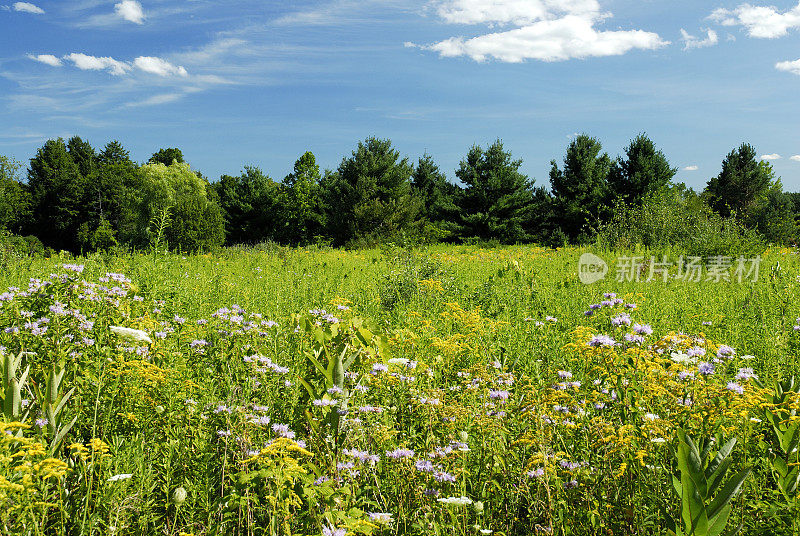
717 524
728 492
722 454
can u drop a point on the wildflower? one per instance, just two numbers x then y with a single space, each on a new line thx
746 374
725 351
324 402
198 343
130 333
735 387
705 368
564 374
122 476
622 318
41 422
536 473
381 518
455 501
498 395
396 454
77 268
635 339
686 375
283 430
330 531
379 367
223 433
335 390
643 329
441 476
601 340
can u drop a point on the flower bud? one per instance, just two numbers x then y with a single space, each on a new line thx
179 496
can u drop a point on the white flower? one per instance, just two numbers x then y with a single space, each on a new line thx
682 358
457 501
748 356
123 476
398 361
658 440
130 333
381 518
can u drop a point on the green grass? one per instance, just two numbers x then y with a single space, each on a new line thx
460 312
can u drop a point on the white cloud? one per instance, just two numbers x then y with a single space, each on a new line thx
49 59
130 10
690 168
796 157
773 156
691 41
760 21
27 7
150 64
789 66
93 63
547 30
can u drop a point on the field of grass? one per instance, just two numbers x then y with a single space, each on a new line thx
447 390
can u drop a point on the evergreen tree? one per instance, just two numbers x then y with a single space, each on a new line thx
581 190
437 199
300 201
741 185
58 193
370 194
643 172
495 197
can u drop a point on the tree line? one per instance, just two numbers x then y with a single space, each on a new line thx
76 198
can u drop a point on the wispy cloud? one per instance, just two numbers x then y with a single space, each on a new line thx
156 100
49 59
690 41
130 10
795 157
773 156
765 22
691 168
27 7
546 30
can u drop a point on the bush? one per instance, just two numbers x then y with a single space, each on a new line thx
679 222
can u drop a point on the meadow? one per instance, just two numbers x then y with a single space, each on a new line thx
440 390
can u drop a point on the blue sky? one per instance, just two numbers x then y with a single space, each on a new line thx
260 82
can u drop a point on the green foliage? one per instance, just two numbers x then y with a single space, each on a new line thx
705 496
58 192
742 184
167 157
370 194
195 220
676 220
781 414
496 196
15 203
438 208
301 216
643 172
581 189
249 206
